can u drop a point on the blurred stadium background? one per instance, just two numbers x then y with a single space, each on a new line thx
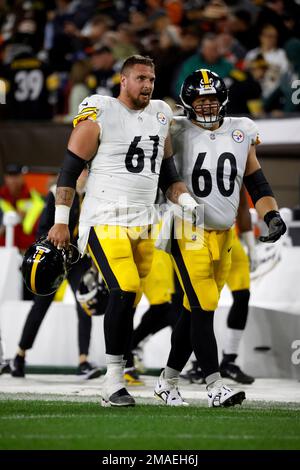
54 53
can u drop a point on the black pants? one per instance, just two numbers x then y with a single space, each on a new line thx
42 303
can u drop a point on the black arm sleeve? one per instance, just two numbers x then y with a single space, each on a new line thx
168 174
257 186
71 169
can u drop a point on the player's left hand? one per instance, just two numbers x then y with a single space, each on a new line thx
276 226
253 260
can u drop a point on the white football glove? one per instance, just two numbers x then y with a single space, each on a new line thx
192 211
249 240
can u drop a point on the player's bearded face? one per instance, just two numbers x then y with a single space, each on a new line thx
139 85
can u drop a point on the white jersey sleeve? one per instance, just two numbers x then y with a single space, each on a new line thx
251 130
177 136
167 110
90 108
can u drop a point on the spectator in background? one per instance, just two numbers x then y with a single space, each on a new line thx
174 9
94 31
258 68
241 27
138 22
70 41
63 42
122 42
78 89
25 23
31 85
273 12
192 13
190 40
245 93
275 57
28 204
208 57
215 16
159 21
167 58
231 49
285 98
105 76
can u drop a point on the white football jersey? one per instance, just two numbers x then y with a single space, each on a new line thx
212 164
123 177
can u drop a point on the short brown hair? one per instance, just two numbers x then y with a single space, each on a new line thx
136 59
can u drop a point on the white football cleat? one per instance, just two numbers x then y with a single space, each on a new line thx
113 391
167 391
222 395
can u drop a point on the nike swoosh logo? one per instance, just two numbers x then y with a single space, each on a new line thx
85 104
229 249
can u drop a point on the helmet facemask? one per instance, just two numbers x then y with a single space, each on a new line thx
207 114
203 83
92 293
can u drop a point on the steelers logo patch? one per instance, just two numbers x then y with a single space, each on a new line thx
162 118
238 136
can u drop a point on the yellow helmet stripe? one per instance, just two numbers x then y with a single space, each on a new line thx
86 308
34 268
205 77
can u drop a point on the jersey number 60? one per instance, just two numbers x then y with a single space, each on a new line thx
199 172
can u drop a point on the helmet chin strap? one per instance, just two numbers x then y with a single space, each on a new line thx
206 125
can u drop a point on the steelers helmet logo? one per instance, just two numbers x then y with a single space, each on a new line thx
206 84
162 118
238 136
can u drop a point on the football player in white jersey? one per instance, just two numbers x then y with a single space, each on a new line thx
215 155
127 143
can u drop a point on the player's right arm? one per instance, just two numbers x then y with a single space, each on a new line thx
82 146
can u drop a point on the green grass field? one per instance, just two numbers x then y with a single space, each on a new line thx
46 425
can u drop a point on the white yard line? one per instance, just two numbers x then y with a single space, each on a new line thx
131 435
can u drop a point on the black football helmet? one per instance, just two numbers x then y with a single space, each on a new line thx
44 267
200 83
92 293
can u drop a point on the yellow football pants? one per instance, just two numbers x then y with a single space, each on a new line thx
202 262
158 286
123 255
239 274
